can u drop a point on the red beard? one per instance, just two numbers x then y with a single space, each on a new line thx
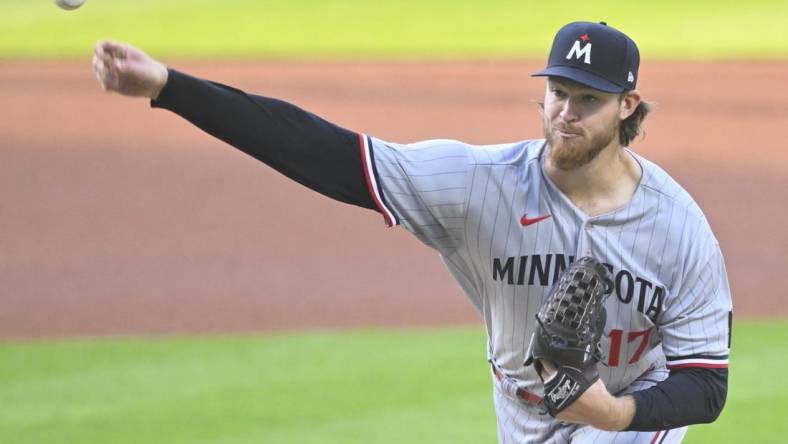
570 153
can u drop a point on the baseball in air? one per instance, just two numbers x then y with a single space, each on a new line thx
68 5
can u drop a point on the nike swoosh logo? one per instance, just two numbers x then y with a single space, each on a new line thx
525 221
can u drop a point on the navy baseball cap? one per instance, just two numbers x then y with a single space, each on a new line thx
594 55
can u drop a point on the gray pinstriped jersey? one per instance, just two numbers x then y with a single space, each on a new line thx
505 231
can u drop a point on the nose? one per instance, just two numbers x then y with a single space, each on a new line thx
569 112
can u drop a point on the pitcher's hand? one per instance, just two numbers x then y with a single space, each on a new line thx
124 69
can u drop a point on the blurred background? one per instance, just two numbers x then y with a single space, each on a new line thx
157 285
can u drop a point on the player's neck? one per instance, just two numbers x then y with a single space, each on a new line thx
603 185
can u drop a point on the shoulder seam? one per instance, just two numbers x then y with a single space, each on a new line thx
687 206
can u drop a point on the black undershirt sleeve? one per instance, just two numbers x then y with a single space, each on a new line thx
688 396
298 144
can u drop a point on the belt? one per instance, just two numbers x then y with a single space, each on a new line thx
521 393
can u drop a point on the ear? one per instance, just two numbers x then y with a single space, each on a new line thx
628 104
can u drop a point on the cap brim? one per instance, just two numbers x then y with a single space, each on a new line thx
582 77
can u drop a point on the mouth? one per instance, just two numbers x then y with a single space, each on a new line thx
566 134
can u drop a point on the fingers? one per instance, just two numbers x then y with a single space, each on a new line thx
97 71
106 69
548 370
109 61
112 48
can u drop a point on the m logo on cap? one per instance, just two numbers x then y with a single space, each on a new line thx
578 52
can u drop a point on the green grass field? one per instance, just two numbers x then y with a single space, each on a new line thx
350 387
670 29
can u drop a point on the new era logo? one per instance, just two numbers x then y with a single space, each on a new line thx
630 77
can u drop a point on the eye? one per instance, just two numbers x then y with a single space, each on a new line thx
558 93
588 98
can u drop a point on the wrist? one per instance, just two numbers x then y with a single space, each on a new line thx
620 413
161 82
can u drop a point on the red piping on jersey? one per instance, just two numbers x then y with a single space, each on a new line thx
656 436
370 186
697 365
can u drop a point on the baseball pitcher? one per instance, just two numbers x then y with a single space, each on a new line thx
602 288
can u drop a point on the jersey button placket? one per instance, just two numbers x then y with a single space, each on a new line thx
583 244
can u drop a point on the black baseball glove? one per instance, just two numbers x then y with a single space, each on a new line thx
571 321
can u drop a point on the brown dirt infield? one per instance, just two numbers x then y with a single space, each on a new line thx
118 219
